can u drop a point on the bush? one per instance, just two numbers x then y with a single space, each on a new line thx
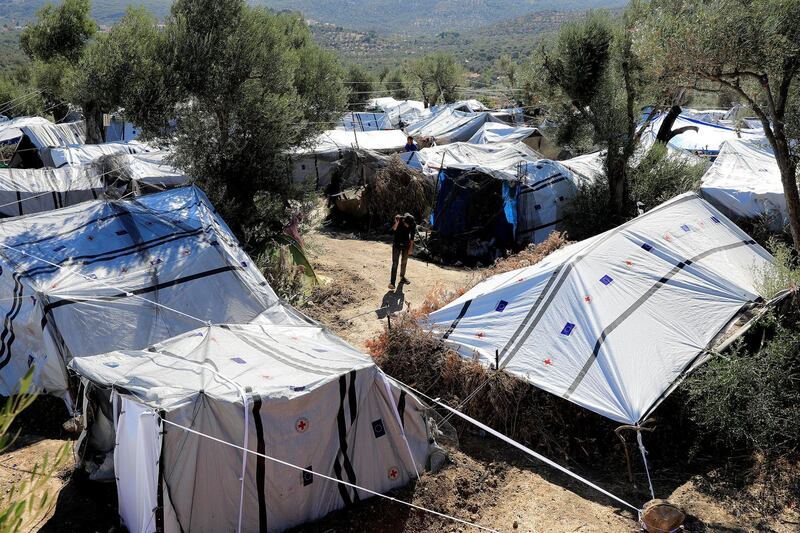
751 398
660 176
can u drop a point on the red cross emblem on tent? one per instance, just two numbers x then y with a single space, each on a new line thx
480 335
667 237
394 473
301 425
629 262
587 299
548 362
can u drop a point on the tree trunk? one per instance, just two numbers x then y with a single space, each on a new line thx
93 116
617 185
664 131
788 170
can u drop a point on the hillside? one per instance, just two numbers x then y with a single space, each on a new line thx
479 49
410 17
17 12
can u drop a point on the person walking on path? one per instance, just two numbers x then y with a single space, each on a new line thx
403 232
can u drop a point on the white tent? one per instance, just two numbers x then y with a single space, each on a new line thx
105 275
449 125
536 192
496 132
11 130
706 141
294 393
26 191
401 113
487 158
330 152
590 166
745 182
614 322
364 122
47 134
379 141
144 172
82 154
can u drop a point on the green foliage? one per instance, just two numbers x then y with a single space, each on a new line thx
59 31
660 176
782 273
247 86
751 398
19 99
436 76
397 85
27 500
589 213
592 79
114 69
362 86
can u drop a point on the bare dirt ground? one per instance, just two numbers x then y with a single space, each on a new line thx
485 482
355 298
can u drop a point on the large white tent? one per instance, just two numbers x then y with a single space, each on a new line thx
496 132
142 172
25 191
293 393
745 182
106 275
11 130
488 158
706 141
614 322
449 125
332 151
83 154
401 113
364 121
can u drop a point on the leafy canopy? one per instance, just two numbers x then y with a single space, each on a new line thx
59 31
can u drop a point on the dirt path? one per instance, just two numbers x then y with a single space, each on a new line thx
487 483
357 273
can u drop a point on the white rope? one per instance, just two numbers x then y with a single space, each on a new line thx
351 485
521 447
107 285
644 459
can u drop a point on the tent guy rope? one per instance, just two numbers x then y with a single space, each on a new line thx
323 476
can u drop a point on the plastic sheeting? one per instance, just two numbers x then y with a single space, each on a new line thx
401 113
83 154
745 182
706 141
27 191
47 134
612 323
136 456
449 126
309 399
336 140
495 132
11 130
100 275
589 166
364 122
496 159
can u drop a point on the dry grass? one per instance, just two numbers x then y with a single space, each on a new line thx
510 405
397 189
439 296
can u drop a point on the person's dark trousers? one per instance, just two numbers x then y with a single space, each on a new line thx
398 251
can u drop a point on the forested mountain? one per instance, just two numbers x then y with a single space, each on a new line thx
413 17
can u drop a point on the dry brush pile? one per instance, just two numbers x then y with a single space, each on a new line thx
397 189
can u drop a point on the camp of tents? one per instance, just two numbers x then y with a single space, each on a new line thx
215 406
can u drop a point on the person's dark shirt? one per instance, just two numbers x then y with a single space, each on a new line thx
402 235
411 147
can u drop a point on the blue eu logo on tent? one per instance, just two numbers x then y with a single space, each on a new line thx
568 329
647 247
685 228
501 306
606 280
715 219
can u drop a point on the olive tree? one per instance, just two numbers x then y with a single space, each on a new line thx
745 47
